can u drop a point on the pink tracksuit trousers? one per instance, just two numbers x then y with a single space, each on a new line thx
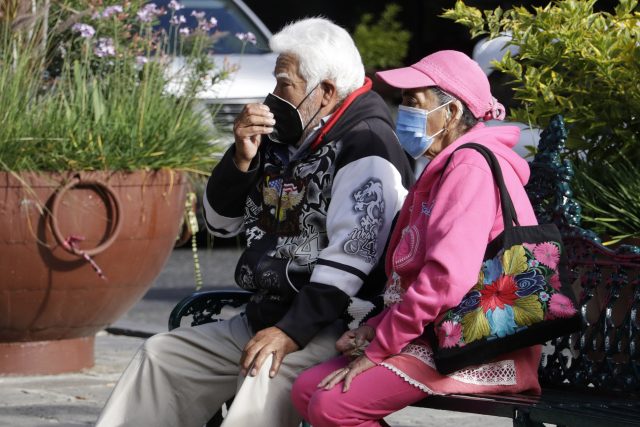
373 395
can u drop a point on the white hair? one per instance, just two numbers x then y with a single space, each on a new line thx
324 51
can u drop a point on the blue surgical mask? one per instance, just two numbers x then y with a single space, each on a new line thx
411 128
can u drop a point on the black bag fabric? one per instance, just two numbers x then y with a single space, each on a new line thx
522 296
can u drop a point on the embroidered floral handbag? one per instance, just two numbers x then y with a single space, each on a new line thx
521 297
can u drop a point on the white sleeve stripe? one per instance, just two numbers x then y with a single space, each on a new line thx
347 282
343 267
219 225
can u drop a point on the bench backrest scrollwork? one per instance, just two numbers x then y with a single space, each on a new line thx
603 356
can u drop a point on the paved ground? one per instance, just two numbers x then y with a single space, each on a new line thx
76 399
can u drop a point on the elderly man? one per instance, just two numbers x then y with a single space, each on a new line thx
314 179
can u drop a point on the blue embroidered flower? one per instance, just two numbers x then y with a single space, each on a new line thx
492 269
529 283
533 263
502 321
469 303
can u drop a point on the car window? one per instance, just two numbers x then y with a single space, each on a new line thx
231 21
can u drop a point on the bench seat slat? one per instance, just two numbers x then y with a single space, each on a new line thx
555 407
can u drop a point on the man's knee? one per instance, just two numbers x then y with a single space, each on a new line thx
159 344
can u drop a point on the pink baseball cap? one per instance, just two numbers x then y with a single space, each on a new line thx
453 72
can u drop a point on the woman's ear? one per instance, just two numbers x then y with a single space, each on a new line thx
329 92
454 113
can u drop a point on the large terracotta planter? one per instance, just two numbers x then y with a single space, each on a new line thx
52 301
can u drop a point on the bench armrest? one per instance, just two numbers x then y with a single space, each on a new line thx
206 307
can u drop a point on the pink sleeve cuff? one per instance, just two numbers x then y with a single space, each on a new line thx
375 353
375 320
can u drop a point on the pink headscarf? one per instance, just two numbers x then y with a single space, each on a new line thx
455 73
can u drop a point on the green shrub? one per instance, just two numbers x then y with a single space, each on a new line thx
610 197
585 66
574 61
382 44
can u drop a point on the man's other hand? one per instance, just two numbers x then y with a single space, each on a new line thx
352 343
268 341
253 121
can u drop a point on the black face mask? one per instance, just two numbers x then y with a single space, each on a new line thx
289 126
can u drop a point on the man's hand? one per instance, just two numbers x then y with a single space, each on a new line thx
352 343
268 341
253 121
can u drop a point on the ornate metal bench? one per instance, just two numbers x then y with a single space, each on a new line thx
590 378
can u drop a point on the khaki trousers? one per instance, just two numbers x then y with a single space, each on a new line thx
181 378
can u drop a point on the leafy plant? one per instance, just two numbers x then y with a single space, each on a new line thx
583 65
574 61
97 88
384 43
610 195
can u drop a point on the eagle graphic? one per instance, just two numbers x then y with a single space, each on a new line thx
282 197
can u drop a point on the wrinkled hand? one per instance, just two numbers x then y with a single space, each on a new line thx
268 341
253 121
352 343
347 374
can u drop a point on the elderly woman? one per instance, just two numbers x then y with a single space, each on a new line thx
434 254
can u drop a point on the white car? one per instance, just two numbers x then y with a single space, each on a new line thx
253 77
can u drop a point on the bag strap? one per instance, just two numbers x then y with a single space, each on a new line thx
508 211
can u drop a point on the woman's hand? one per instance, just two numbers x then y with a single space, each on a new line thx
351 343
347 374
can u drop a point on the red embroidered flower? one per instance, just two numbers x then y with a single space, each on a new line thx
498 294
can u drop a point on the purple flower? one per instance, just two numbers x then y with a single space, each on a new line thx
104 47
141 60
213 21
529 282
86 31
149 12
185 31
198 15
248 37
177 20
174 5
111 10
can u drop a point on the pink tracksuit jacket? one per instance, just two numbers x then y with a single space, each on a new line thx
433 260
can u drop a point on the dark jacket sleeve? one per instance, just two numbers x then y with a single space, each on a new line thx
316 306
226 194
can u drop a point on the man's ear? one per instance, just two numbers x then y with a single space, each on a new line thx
329 92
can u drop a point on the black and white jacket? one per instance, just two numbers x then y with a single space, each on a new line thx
316 218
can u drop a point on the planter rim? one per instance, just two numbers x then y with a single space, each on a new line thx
161 177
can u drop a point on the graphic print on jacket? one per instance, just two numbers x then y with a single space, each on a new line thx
293 217
362 240
316 218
